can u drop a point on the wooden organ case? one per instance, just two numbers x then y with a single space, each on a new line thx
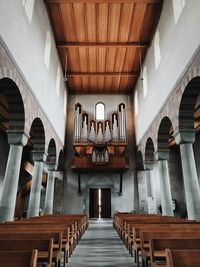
100 144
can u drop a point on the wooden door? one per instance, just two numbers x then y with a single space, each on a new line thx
94 203
105 203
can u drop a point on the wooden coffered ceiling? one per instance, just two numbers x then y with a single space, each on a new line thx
104 42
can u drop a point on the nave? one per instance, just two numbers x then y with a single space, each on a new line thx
101 246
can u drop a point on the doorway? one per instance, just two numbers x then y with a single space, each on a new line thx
100 203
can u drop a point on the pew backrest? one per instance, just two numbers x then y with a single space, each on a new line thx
183 258
18 258
173 244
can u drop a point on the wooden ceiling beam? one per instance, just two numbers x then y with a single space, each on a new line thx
104 1
100 74
99 45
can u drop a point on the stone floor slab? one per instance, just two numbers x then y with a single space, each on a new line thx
101 246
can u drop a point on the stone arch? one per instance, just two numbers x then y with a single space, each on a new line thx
14 105
61 161
52 156
149 151
165 134
139 161
187 105
37 136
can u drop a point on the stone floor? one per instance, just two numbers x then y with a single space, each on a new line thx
101 246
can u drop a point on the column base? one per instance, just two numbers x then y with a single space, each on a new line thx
6 214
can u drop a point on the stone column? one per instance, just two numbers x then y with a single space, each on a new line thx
151 201
136 193
48 205
191 183
58 193
148 176
34 200
166 197
10 184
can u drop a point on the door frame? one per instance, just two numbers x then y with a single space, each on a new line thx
87 195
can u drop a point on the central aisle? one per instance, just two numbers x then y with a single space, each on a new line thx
101 246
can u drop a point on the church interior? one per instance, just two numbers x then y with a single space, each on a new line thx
99 133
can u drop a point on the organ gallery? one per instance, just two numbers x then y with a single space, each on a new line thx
100 142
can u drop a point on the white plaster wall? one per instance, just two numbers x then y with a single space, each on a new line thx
74 203
25 36
179 40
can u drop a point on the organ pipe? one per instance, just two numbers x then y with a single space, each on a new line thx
122 114
100 132
77 123
115 128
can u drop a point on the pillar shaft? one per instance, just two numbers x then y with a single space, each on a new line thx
191 184
48 206
10 183
136 194
34 200
166 197
148 183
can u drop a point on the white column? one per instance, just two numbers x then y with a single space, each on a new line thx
34 200
48 205
191 183
166 196
151 202
148 183
10 183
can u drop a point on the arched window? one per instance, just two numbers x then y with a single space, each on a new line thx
145 85
29 6
157 53
47 50
58 82
65 104
100 111
136 103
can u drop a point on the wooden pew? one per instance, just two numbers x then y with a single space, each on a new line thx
129 226
183 258
75 226
57 238
178 234
44 247
18 258
135 241
41 231
158 246
71 227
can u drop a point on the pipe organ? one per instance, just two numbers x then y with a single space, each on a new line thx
99 143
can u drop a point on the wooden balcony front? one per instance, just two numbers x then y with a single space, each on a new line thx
114 164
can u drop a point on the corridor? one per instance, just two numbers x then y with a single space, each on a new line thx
101 246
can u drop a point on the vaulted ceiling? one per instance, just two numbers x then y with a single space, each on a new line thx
104 41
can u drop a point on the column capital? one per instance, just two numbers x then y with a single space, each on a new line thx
51 166
148 166
162 154
16 137
39 156
184 137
